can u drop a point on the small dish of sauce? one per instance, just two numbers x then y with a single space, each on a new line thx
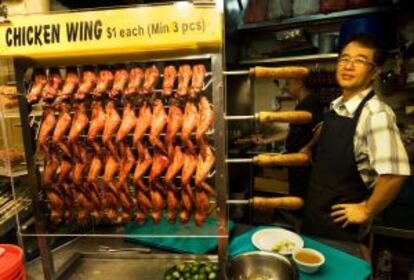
308 260
308 257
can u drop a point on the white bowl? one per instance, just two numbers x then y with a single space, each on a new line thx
266 239
308 267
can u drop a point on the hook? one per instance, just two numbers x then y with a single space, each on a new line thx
317 67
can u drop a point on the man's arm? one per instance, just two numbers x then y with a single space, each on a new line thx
258 139
307 149
277 137
386 189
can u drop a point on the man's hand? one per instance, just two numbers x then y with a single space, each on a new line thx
357 213
258 139
385 190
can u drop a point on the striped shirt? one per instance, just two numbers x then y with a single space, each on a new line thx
377 143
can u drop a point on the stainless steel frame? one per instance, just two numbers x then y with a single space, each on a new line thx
33 174
221 166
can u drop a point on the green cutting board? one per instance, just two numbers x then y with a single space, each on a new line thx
187 238
338 266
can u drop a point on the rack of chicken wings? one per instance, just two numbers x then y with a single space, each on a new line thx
126 143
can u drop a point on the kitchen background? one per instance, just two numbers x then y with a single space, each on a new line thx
308 33
277 33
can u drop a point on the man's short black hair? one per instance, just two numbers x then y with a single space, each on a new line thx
370 42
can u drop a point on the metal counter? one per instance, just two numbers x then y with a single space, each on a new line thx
81 259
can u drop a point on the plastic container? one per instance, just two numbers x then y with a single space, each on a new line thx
279 9
256 11
329 6
11 259
372 25
358 4
327 43
305 7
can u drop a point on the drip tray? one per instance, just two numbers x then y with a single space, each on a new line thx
126 265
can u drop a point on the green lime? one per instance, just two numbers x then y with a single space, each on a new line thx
212 276
181 267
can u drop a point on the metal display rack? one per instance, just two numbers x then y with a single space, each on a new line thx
214 84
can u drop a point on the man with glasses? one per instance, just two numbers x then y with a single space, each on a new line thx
360 162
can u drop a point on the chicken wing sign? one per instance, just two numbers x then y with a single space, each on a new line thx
45 34
134 29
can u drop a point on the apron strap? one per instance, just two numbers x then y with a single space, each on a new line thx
361 105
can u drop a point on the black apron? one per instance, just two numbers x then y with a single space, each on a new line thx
335 178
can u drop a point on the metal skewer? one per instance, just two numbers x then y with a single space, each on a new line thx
236 72
239 160
239 201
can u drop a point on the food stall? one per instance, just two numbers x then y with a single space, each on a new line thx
123 119
125 115
84 79
108 144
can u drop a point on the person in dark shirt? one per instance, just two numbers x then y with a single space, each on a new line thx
295 138
300 134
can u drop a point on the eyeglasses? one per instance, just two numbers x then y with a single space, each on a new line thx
358 62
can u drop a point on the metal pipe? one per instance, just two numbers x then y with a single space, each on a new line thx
235 117
238 160
108 249
220 180
33 176
236 73
239 201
